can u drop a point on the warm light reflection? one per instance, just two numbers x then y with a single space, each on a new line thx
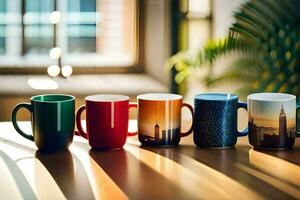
42 84
275 166
208 182
280 185
34 171
40 180
8 188
132 125
43 184
13 152
102 185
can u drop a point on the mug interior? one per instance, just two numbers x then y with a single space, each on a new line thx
52 98
271 97
159 96
215 96
106 98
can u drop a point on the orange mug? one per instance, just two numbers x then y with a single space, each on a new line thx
159 119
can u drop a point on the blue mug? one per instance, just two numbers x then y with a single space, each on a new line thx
216 120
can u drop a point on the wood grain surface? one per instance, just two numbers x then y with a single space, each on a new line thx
136 172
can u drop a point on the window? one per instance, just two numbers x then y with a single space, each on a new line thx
192 22
2 26
195 26
81 26
90 33
10 24
38 30
199 23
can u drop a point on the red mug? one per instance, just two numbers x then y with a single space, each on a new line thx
106 121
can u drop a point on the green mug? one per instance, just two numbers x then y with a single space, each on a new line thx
52 119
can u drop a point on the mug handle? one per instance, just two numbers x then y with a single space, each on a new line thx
297 108
191 129
27 106
80 131
132 105
245 131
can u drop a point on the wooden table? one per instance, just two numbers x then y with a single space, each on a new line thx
135 172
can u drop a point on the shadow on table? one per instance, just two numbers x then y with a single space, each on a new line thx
18 176
68 173
136 179
64 167
240 164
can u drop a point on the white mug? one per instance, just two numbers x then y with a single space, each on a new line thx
272 120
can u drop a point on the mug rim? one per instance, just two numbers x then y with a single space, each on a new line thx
102 98
159 97
271 96
70 98
233 96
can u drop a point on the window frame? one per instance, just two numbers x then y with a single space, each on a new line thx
181 17
135 67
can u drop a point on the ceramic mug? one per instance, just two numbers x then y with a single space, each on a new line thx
159 119
216 120
107 119
272 120
52 118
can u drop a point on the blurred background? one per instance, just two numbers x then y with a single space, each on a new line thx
84 47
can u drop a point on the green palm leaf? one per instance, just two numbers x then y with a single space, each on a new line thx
242 70
266 35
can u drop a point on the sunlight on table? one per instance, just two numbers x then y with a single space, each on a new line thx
42 84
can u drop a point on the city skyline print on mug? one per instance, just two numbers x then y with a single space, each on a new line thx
272 124
159 119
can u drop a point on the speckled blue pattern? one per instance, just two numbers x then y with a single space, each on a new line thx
216 121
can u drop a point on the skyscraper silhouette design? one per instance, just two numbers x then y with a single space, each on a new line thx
282 125
156 132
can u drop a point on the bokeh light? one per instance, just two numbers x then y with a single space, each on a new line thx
53 70
55 17
55 53
67 70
